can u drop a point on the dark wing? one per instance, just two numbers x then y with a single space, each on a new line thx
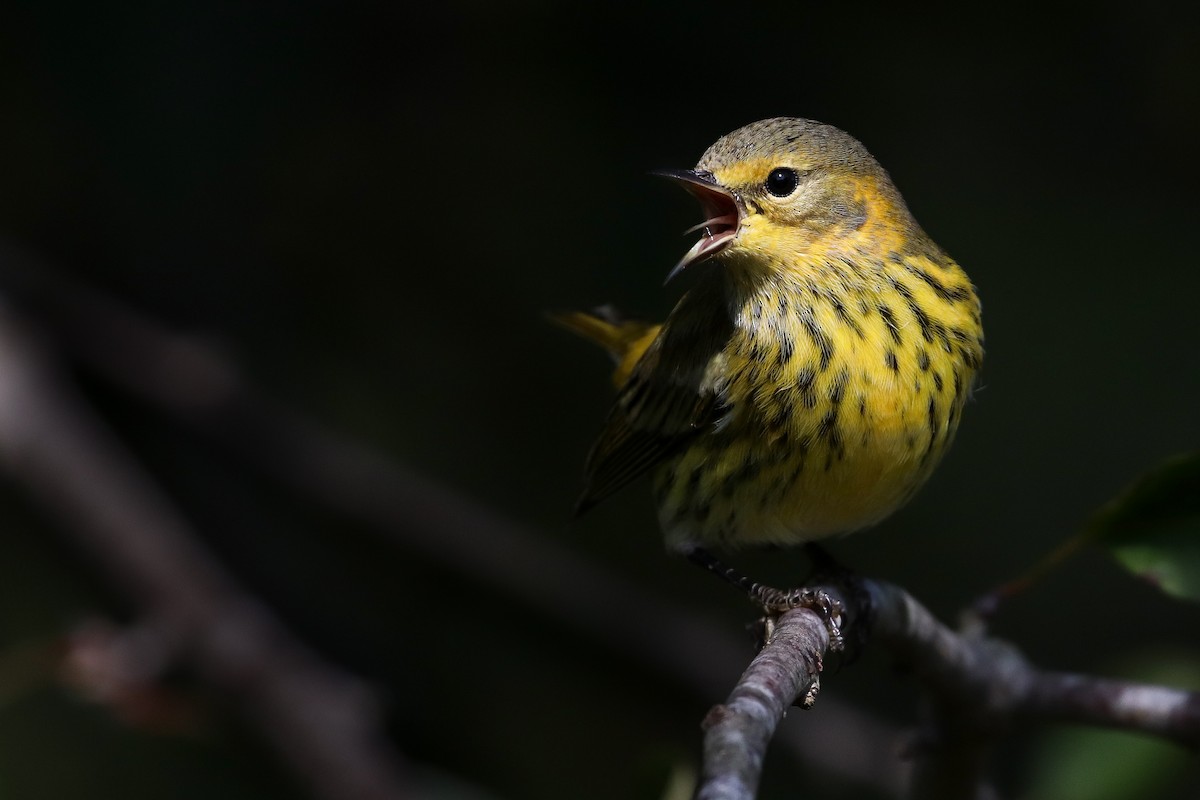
663 405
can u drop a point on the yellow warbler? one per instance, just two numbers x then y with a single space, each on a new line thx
812 377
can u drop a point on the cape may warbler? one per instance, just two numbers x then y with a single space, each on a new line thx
811 379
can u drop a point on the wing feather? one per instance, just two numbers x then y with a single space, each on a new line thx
664 404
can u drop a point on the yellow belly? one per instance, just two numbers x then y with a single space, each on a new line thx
751 487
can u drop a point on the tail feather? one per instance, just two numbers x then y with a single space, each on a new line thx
625 340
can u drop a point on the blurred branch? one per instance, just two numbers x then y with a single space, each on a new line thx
1122 705
121 669
320 720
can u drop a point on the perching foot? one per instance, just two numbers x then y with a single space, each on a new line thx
777 602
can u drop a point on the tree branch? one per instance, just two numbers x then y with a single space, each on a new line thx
978 687
1000 685
323 722
1169 713
737 732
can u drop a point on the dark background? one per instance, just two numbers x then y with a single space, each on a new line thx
370 207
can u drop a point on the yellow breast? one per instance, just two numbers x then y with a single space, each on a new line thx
841 384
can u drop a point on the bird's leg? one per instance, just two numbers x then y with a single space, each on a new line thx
826 567
776 601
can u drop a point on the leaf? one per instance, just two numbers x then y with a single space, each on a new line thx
1153 528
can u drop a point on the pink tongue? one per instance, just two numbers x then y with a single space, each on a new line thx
727 220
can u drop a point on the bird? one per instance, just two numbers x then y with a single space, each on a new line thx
814 373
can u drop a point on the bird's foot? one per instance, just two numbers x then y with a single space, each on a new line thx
827 569
776 602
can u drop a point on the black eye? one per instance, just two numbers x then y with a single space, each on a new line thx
782 181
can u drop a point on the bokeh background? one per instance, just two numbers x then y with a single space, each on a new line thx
368 207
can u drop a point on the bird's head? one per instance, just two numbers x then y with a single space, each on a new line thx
785 188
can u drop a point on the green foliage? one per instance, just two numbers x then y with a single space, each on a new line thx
1105 765
1153 528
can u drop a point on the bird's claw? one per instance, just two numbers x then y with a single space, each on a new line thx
777 602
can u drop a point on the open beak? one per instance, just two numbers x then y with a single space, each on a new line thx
722 215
